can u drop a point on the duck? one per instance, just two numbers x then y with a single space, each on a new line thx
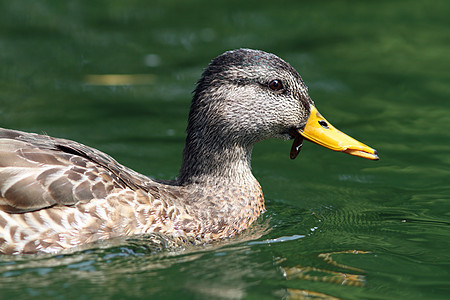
57 194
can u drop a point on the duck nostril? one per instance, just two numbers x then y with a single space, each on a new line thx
324 124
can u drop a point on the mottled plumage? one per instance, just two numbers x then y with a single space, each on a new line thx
56 194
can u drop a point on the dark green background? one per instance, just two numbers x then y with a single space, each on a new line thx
377 70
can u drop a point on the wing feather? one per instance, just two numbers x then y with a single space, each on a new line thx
37 171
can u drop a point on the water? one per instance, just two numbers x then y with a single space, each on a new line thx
336 226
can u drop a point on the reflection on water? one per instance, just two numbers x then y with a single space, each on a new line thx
119 79
316 274
102 263
305 294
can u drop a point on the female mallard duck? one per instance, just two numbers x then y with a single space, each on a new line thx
56 194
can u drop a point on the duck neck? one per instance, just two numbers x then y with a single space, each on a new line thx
208 161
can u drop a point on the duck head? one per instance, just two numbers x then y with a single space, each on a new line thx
245 96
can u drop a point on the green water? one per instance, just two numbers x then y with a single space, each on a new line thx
335 225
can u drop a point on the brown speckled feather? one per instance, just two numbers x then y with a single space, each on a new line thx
38 171
56 194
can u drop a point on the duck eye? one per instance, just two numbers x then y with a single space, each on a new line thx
275 85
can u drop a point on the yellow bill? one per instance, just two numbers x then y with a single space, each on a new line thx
320 131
